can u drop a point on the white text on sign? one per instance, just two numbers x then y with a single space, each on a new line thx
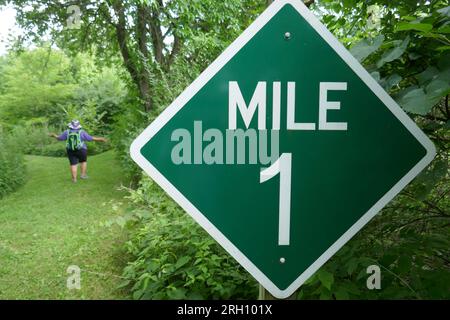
259 102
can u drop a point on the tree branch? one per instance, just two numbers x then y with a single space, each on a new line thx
141 35
121 35
141 30
421 219
433 118
156 33
175 50
87 30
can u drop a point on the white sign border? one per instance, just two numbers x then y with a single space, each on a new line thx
203 79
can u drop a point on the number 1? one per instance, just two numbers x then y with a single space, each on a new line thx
282 166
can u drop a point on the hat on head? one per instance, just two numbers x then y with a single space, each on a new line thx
74 125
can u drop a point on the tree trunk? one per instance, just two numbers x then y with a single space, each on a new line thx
144 76
121 35
157 40
175 50
144 93
139 75
156 33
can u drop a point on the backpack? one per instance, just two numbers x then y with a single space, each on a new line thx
74 142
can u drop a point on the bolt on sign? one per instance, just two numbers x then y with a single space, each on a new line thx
283 148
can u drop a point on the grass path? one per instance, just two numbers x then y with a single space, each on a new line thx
51 223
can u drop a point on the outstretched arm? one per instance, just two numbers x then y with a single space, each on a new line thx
99 139
61 137
87 137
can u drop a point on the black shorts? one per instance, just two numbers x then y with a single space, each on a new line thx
77 156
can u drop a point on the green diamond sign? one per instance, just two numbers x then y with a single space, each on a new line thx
283 148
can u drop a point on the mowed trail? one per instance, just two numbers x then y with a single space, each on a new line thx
50 224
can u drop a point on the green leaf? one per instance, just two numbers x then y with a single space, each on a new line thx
195 296
429 74
121 221
414 55
444 29
437 89
182 261
431 176
443 48
438 36
388 259
404 26
390 81
352 265
394 53
350 287
409 18
138 294
403 264
376 76
312 280
177 293
325 294
326 278
444 62
416 101
361 274
445 11
366 47
152 266
124 284
341 294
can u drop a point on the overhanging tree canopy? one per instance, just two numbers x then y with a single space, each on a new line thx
148 34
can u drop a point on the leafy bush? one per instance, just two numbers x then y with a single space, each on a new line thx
127 127
51 150
174 258
12 167
59 89
34 140
100 95
35 83
31 139
409 240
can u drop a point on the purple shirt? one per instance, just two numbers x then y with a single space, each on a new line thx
83 135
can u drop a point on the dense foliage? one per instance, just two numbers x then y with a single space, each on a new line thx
48 80
173 258
409 240
146 36
12 167
35 140
58 90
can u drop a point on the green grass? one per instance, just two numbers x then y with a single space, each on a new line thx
51 223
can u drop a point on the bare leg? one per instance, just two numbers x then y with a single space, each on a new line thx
74 171
84 169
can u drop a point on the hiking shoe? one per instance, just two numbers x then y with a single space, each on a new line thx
84 177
